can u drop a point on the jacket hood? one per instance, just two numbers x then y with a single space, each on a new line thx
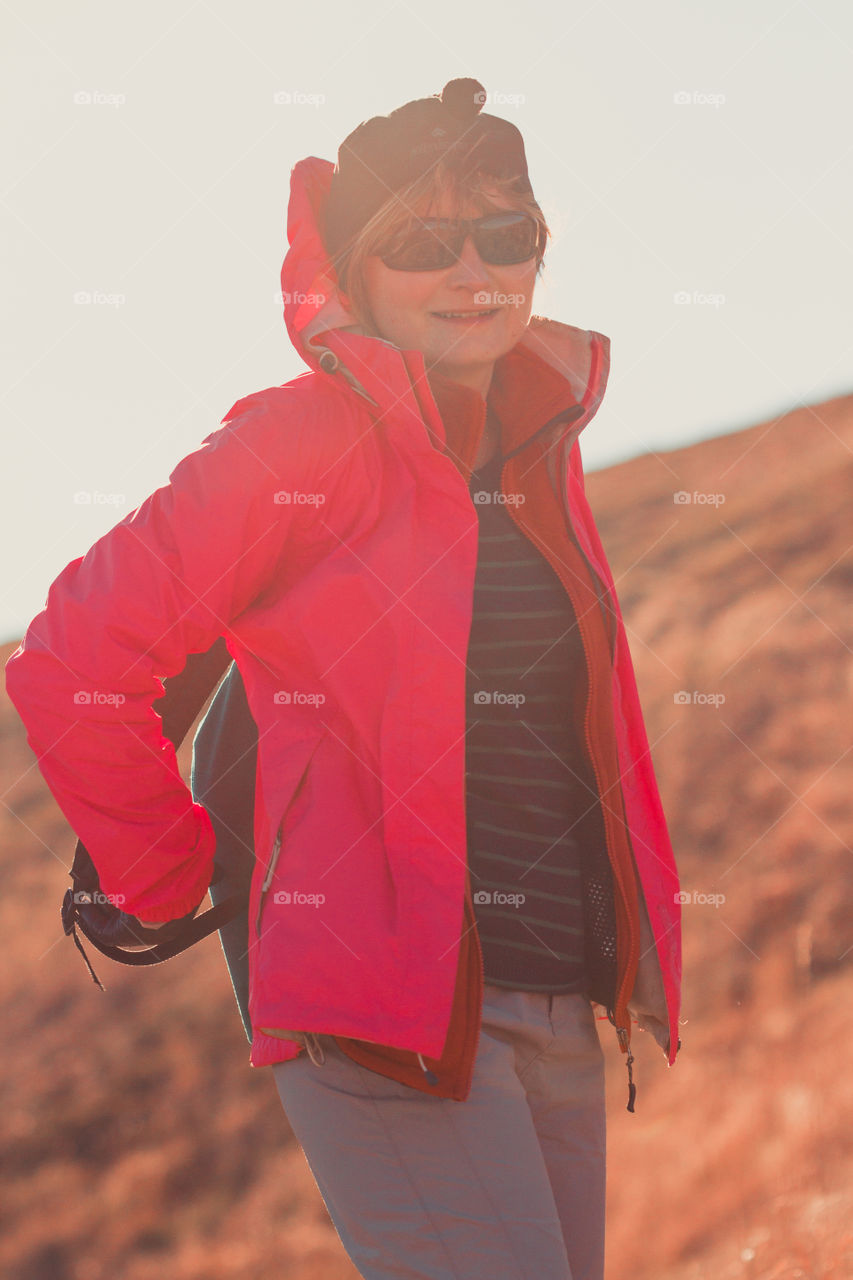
554 376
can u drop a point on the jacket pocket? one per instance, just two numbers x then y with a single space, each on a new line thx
275 852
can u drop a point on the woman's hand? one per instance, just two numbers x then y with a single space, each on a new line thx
162 924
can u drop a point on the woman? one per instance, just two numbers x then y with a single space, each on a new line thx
459 842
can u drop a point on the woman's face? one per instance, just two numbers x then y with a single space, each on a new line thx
411 308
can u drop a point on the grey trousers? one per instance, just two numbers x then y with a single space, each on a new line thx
507 1185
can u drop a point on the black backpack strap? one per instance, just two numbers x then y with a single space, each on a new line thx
191 932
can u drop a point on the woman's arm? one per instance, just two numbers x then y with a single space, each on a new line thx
164 582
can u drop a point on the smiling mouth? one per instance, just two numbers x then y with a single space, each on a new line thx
466 315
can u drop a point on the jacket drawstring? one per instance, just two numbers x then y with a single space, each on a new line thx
313 1047
624 1043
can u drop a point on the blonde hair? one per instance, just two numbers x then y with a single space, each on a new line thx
402 211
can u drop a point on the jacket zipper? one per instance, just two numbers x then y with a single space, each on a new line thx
277 844
478 1022
622 1032
276 850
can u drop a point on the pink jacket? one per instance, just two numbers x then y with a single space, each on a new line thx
326 533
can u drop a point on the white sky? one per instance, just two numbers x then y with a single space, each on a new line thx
175 201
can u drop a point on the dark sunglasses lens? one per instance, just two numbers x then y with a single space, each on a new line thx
427 248
507 238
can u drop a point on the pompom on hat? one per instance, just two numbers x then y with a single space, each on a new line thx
384 154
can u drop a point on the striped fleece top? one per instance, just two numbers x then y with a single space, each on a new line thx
533 813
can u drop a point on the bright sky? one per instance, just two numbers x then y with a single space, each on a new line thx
677 149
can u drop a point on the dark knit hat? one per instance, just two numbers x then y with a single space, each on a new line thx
386 153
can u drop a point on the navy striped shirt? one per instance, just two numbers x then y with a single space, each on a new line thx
531 802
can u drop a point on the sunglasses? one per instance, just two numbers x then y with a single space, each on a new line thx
501 239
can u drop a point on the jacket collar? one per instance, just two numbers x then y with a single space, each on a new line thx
526 395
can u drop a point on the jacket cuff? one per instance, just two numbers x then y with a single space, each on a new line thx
159 906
